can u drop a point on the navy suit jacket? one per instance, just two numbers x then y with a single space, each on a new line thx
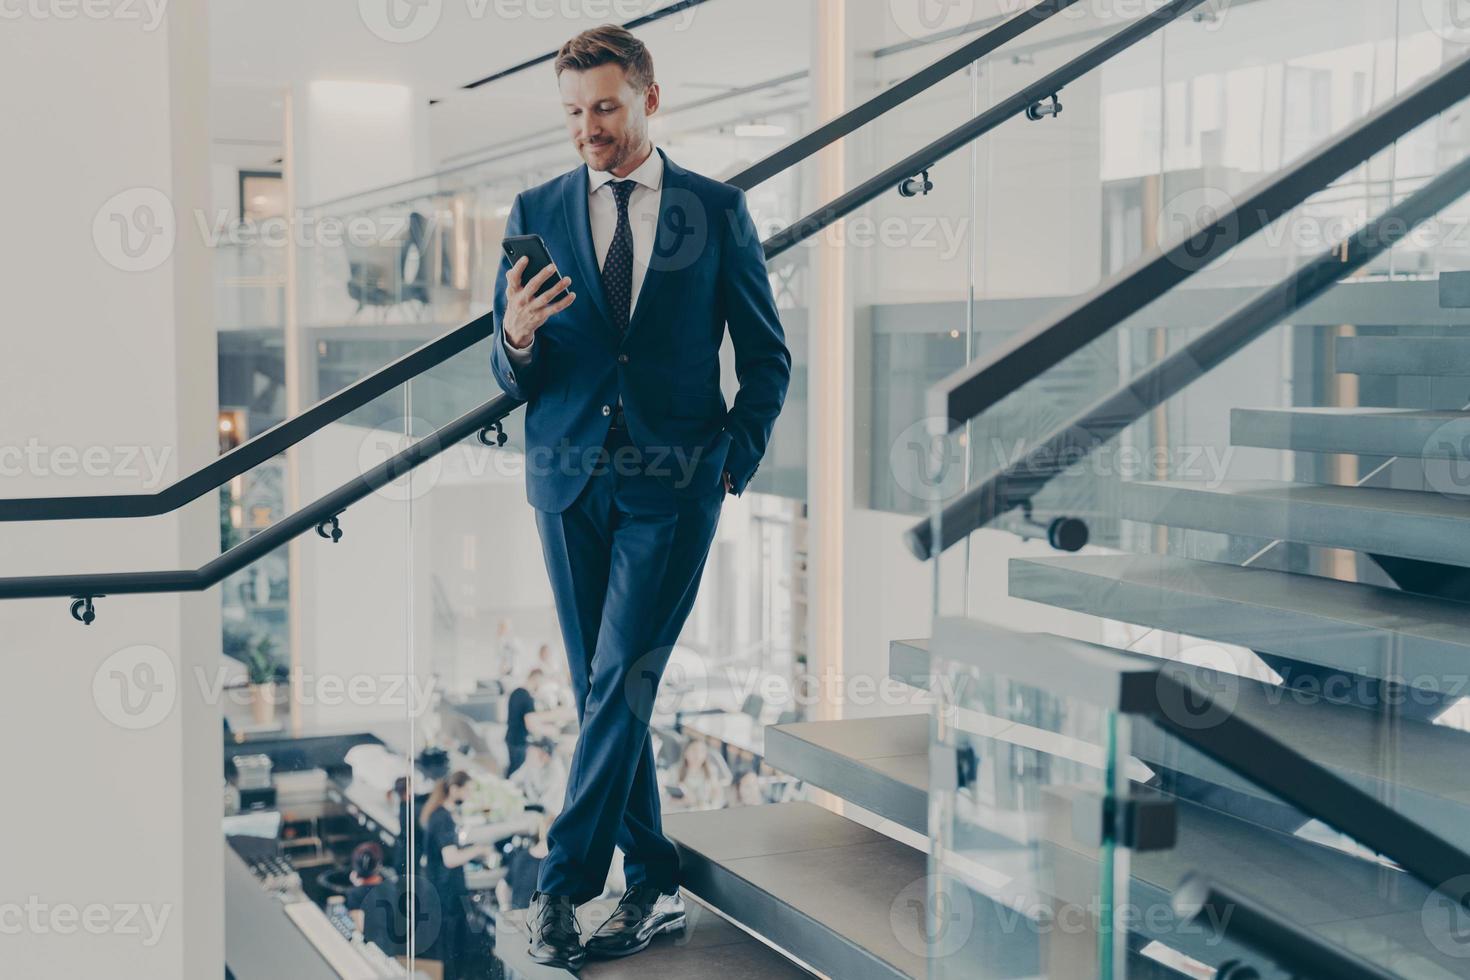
707 272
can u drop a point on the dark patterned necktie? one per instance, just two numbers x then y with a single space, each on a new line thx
617 268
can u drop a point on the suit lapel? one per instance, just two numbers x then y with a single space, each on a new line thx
671 248
588 281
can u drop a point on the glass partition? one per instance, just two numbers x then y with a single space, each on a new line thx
1271 506
1024 880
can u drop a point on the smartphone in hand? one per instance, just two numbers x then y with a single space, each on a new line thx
530 247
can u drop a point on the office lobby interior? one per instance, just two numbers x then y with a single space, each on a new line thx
1099 607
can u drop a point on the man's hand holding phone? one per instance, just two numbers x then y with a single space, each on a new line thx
527 309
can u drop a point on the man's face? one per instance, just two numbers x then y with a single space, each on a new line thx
606 117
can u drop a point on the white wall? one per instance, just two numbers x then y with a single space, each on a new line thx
352 136
114 772
362 602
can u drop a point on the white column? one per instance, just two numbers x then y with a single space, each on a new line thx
829 477
354 604
107 368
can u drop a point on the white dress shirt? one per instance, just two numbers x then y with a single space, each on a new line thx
602 214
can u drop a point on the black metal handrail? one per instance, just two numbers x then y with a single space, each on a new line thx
1016 484
292 431
330 506
311 516
1230 915
1016 105
972 389
249 455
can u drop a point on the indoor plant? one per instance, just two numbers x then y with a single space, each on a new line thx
261 664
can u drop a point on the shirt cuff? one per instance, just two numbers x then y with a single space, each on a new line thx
519 357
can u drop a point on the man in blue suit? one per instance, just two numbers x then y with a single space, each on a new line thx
630 451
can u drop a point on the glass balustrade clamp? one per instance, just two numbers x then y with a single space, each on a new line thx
500 438
83 611
1049 106
917 185
331 528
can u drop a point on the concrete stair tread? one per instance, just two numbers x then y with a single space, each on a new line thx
1404 523
908 661
1372 631
818 885
1366 629
1409 433
880 764
708 946
1420 356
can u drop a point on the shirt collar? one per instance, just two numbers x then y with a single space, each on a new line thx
650 174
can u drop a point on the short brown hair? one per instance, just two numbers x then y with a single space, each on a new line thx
608 45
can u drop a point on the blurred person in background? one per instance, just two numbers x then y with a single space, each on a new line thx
748 790
372 900
700 779
522 865
401 800
444 864
542 779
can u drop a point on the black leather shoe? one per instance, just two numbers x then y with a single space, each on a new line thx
642 913
556 939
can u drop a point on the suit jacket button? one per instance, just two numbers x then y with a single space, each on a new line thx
622 358
607 410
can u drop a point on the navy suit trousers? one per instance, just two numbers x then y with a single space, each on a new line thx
625 561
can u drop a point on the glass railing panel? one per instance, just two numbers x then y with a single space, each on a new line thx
320 707
1023 883
1280 528
1027 880
1166 128
1288 861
